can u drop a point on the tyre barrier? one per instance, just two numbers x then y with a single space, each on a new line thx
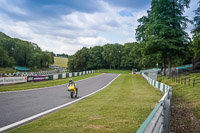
36 78
28 73
158 120
58 76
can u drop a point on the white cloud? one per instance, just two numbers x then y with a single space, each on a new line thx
190 13
76 30
92 41
70 32
10 6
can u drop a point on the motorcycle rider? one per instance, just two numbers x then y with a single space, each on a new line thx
73 83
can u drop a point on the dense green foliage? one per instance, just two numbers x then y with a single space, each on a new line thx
196 33
161 33
62 55
22 53
195 45
114 56
161 42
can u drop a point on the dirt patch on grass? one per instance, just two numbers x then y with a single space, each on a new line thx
95 117
95 126
100 127
182 118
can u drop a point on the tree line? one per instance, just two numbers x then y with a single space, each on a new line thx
14 51
161 33
161 39
112 56
62 55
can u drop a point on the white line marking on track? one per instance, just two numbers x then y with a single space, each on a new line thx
51 110
35 89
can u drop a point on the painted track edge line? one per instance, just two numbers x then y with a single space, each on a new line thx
35 89
51 110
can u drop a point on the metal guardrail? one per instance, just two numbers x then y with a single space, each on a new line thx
23 79
159 119
29 73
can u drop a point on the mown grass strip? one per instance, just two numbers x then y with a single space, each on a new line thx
33 85
185 111
60 61
113 71
121 107
6 70
189 94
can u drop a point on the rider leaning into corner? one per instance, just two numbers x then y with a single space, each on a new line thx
73 83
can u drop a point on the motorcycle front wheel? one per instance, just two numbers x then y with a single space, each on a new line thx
72 94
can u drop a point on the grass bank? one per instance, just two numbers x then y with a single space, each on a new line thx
185 105
6 70
119 108
113 71
60 61
33 85
11 70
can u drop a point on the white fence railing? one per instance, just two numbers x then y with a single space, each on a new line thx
33 78
159 119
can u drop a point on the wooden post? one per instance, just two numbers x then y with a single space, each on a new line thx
185 82
189 82
193 83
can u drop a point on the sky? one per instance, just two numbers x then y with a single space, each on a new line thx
65 26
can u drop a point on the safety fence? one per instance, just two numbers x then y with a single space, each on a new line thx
187 81
159 119
29 73
22 79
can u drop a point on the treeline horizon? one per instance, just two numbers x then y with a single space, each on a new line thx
112 56
161 39
161 42
16 52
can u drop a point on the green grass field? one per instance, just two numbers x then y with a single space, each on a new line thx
6 70
35 85
189 94
185 105
60 61
41 69
120 108
113 71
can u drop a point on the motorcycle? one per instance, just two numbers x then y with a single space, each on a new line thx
73 91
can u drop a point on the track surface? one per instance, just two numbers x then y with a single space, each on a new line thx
16 106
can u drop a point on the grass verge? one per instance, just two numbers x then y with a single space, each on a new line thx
185 105
120 107
113 71
60 61
11 70
33 85
6 70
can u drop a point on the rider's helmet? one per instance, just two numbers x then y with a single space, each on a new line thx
70 80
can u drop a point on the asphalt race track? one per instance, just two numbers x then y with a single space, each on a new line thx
16 106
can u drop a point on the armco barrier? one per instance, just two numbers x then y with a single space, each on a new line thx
159 119
12 80
35 78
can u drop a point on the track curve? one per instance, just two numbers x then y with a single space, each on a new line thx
16 106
